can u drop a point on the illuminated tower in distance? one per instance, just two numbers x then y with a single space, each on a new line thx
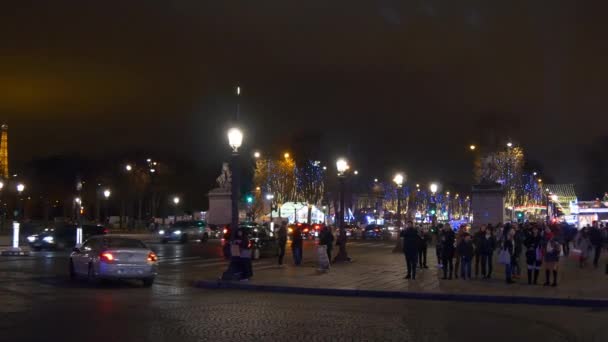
4 152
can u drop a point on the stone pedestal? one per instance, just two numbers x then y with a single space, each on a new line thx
488 204
220 205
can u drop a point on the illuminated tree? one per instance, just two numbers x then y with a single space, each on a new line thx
310 184
277 177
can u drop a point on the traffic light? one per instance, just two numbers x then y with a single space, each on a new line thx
249 199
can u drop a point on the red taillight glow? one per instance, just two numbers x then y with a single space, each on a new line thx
152 257
299 224
305 230
225 230
107 257
106 231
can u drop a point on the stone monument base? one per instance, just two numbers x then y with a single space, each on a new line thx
220 206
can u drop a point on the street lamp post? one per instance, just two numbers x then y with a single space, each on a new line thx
434 187
342 167
270 197
106 195
399 182
176 201
235 139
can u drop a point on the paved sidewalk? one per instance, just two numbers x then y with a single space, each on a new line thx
386 271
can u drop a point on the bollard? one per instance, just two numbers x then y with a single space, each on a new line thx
16 226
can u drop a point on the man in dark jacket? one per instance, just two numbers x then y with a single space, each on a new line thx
424 240
410 249
448 238
282 240
296 245
595 236
478 240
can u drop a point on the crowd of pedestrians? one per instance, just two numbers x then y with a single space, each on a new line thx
461 253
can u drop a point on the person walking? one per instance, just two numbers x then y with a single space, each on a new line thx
296 245
447 241
595 236
424 239
326 238
282 240
410 249
569 233
552 251
534 257
465 251
583 243
245 253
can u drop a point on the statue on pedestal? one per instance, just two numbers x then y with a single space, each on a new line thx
225 178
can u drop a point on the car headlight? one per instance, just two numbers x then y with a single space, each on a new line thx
48 239
32 238
177 232
161 232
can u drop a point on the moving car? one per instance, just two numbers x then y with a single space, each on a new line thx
185 231
261 240
375 231
113 257
62 237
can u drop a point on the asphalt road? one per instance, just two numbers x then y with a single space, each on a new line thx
38 302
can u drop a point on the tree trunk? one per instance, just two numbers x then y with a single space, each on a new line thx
309 221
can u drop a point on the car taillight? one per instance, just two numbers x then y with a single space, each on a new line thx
305 230
106 256
152 257
106 231
250 244
225 230
290 230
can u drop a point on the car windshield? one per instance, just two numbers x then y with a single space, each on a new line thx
122 243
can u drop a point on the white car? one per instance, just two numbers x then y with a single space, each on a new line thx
114 257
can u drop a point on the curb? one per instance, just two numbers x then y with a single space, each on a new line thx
219 284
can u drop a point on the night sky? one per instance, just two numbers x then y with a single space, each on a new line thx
392 84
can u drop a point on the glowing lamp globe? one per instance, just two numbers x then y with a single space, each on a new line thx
107 193
341 165
398 179
20 187
235 138
434 188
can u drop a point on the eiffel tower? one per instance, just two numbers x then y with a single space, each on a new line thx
4 152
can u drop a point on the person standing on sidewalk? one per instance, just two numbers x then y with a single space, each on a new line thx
425 238
245 253
534 257
518 242
465 251
439 245
583 243
596 240
459 239
296 245
410 249
506 252
282 240
447 253
478 243
552 251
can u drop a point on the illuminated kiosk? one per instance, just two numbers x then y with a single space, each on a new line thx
488 204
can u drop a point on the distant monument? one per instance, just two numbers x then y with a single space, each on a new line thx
488 204
220 199
4 152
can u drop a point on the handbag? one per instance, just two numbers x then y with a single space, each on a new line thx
235 250
576 254
504 257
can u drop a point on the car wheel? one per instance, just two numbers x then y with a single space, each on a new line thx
72 270
183 239
37 249
163 241
148 282
205 237
91 278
